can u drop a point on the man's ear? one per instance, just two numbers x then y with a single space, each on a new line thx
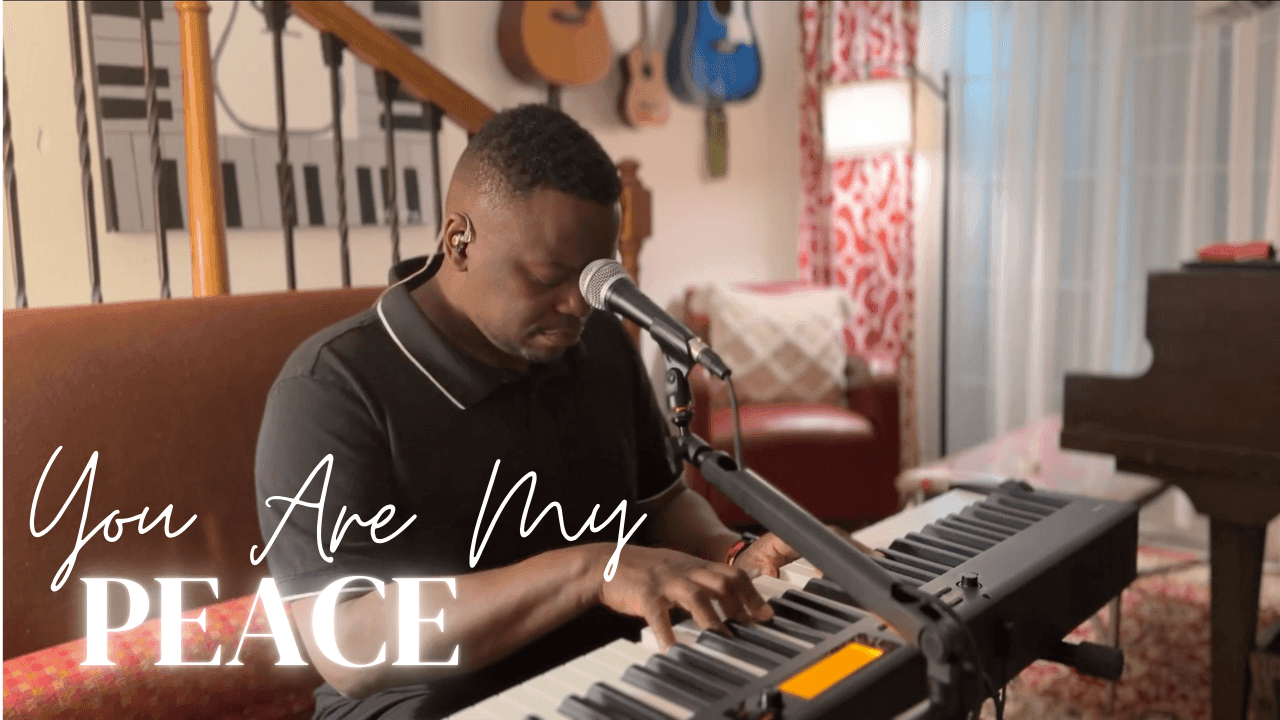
457 234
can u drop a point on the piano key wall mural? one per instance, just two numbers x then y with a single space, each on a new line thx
248 157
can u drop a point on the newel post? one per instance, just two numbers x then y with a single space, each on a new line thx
204 171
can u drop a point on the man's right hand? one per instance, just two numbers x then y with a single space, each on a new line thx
650 581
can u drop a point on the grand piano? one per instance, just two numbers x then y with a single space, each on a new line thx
1206 418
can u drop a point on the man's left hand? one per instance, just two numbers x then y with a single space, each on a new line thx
768 554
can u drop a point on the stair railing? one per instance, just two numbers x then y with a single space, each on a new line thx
400 73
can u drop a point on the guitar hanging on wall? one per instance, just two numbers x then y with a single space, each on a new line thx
714 60
644 96
557 42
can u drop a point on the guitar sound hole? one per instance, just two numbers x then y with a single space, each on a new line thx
581 6
647 69
723 6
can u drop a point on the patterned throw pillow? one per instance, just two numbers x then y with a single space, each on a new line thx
784 346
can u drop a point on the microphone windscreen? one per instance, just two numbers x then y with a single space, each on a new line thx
596 277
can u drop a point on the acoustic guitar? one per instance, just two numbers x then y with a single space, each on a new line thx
644 97
714 59
559 42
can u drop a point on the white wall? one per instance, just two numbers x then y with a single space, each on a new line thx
742 226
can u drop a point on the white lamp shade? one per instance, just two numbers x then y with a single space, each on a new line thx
865 117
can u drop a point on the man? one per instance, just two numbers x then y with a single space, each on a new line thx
477 367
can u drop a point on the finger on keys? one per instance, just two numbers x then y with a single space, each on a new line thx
728 587
697 600
754 602
660 623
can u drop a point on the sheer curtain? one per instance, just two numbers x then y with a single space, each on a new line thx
1092 143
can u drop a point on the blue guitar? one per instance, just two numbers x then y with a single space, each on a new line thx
705 66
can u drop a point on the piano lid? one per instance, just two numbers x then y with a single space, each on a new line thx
1210 402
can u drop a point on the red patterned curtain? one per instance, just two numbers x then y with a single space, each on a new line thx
855 227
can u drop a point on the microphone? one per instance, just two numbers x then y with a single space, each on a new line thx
606 286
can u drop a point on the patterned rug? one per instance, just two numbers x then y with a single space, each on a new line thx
1164 632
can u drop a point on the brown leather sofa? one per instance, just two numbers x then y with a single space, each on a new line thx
169 395
838 463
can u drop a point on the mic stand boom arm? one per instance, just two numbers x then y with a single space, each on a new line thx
913 613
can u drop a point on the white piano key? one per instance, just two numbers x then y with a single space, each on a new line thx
687 633
608 667
485 710
914 518
568 679
889 529
801 644
770 587
525 699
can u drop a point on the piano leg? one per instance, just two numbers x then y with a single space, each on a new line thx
1236 576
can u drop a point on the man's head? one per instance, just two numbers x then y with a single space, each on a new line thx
532 202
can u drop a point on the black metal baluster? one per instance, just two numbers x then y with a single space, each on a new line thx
277 12
110 207
153 129
86 174
11 189
387 88
332 48
434 116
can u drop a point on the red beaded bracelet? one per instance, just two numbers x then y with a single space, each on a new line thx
736 549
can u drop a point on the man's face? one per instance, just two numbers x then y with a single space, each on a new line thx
521 286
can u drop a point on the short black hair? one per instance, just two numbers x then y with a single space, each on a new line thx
532 147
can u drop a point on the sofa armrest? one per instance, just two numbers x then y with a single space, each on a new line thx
878 401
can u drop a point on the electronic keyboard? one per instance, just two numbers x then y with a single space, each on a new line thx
1020 567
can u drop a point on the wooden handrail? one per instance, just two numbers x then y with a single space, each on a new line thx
383 51
204 171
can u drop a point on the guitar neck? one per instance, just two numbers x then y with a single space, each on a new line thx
644 27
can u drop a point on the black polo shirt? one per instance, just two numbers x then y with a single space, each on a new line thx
412 423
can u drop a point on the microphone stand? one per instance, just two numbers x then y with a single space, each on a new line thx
913 613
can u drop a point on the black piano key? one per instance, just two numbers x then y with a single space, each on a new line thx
315 205
756 636
926 552
1002 531
996 506
531 716
580 708
624 704
646 679
1031 496
1029 508
1000 518
943 544
739 650
831 606
904 579
960 538
965 526
794 629
902 570
806 615
823 587
364 191
695 658
934 569
710 687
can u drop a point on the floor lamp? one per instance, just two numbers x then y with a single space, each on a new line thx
870 116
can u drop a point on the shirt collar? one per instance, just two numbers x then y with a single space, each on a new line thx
461 378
